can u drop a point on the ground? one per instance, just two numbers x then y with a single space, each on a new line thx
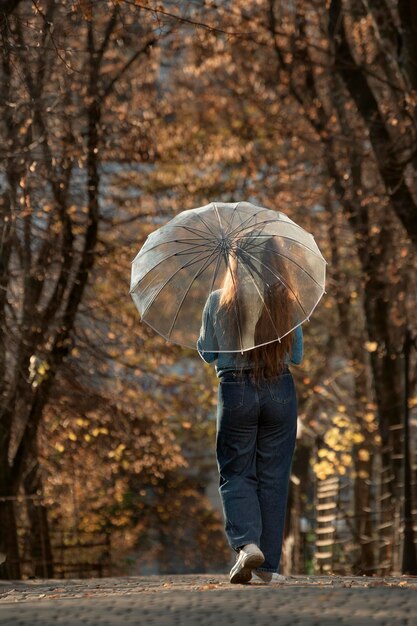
210 600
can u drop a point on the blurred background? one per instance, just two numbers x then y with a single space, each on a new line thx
116 115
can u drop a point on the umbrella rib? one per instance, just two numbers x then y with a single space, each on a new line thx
203 249
170 278
165 243
216 269
287 221
243 227
169 256
280 279
202 245
236 311
242 224
206 225
284 256
200 271
276 219
300 243
298 265
218 217
227 233
190 239
194 229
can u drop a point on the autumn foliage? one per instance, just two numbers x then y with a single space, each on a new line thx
115 116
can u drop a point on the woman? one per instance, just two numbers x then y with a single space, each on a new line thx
257 404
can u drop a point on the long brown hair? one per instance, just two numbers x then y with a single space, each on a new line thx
277 309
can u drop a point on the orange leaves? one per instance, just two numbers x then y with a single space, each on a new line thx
117 453
363 454
99 430
85 7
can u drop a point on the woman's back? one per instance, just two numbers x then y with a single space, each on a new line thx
215 334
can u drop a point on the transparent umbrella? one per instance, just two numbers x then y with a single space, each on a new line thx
186 266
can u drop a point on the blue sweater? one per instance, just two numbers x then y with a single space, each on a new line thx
234 360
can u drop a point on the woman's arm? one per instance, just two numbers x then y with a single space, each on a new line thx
207 338
298 346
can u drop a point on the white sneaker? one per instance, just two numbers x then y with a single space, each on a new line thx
249 557
268 577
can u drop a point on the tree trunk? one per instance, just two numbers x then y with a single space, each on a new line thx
388 392
362 482
389 166
10 568
365 564
408 42
301 469
40 543
385 364
291 553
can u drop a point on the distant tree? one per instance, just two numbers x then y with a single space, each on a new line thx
53 105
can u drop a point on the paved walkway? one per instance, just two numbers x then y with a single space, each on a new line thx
210 600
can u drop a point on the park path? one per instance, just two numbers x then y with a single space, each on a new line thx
210 600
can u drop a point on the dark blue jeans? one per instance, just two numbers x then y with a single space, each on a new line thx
255 441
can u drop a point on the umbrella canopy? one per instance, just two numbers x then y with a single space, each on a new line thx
188 268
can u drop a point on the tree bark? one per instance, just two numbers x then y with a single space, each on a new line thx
390 168
365 564
9 546
8 6
39 537
408 40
